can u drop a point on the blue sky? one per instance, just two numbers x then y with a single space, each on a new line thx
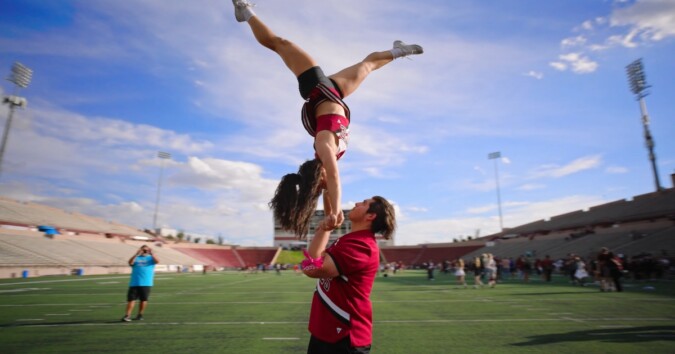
541 81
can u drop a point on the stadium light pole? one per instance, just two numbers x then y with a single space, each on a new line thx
21 76
162 156
496 156
638 85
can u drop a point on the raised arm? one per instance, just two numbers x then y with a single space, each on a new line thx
133 258
316 250
326 148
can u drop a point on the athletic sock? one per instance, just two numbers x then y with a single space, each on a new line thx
397 53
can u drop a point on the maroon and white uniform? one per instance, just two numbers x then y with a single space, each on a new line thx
336 123
341 306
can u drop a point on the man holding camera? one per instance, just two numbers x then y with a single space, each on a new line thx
142 276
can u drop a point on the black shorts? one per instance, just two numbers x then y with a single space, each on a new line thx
317 346
308 80
138 293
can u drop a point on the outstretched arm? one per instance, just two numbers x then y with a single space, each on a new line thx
326 148
316 250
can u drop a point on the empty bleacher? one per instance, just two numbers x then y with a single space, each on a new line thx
416 255
22 249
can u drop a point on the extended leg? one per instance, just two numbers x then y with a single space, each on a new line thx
350 79
295 58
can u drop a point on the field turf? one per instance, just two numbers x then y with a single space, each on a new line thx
229 312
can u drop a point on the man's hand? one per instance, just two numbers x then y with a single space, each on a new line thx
340 219
328 222
333 221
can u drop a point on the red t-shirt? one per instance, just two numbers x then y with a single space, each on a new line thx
341 306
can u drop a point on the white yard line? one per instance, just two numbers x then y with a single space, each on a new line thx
267 323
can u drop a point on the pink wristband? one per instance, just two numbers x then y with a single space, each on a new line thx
310 263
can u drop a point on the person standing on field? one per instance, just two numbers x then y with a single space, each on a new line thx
341 315
142 279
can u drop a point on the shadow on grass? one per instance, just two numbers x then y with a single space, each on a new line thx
608 335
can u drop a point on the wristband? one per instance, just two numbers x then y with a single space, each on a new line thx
310 263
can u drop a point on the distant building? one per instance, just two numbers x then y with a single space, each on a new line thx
288 240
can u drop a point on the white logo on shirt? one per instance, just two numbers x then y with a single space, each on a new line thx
339 330
325 283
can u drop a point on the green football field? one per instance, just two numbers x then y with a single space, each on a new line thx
230 312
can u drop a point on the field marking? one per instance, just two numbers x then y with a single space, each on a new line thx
108 282
60 281
573 319
308 301
57 314
384 322
281 338
22 290
80 310
30 319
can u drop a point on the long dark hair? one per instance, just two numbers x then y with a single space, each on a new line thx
296 196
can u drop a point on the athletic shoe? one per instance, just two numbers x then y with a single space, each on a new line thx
138 318
240 9
126 319
408 49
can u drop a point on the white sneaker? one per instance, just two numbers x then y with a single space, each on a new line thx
408 49
241 8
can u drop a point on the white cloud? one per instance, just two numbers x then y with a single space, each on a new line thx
531 187
535 74
573 41
481 209
578 165
560 66
616 170
578 63
650 20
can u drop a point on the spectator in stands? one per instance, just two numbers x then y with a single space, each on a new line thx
615 271
603 270
580 273
506 267
547 267
477 272
528 264
142 279
512 267
459 273
491 270
341 315
430 270
571 267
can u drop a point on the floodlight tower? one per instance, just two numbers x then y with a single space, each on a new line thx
638 85
21 77
496 156
162 156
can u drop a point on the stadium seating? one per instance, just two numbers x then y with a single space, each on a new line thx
643 224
